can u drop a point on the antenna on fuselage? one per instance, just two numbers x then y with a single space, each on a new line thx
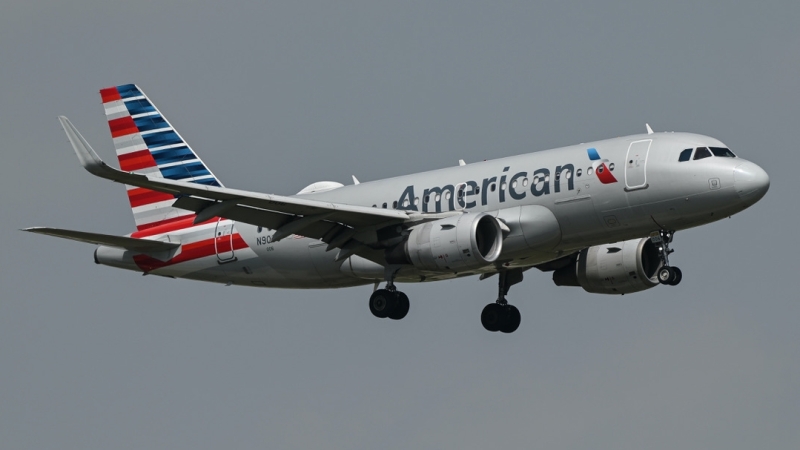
461 162
649 130
355 180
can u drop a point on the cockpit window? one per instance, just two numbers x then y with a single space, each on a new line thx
685 155
722 152
702 152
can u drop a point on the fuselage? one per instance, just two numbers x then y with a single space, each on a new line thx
599 192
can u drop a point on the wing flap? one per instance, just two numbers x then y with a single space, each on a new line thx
261 218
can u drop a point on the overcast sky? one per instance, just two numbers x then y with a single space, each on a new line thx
277 95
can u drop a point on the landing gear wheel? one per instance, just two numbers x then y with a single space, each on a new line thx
510 319
401 306
666 275
677 276
491 317
382 303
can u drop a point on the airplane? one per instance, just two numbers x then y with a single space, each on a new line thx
600 216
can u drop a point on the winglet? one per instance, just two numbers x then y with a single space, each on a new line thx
88 158
649 130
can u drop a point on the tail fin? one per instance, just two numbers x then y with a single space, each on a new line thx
147 143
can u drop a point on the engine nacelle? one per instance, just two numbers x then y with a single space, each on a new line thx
618 268
463 242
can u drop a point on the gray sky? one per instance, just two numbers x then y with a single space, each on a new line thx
276 96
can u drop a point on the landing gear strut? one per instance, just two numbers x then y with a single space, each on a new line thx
500 315
667 274
389 302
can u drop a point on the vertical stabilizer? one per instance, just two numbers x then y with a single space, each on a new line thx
146 143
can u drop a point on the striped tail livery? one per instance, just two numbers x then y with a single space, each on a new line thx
147 143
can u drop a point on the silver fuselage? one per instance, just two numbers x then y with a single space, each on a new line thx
652 191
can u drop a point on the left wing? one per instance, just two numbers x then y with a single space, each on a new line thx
349 227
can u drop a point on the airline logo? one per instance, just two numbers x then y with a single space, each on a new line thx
601 167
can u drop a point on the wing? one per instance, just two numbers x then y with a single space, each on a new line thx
348 227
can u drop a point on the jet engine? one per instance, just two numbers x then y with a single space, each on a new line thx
618 268
458 243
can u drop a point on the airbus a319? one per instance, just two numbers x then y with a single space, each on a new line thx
600 215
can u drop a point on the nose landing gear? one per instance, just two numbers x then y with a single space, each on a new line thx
500 315
667 274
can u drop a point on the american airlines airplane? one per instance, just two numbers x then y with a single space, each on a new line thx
600 215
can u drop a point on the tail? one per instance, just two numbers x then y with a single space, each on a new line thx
147 143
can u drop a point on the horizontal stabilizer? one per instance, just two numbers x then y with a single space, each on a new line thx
133 244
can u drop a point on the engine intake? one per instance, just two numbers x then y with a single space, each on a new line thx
463 242
618 268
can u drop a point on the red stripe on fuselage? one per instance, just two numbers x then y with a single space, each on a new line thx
110 94
136 160
168 225
142 196
122 126
190 251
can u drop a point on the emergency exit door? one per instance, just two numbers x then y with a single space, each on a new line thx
223 240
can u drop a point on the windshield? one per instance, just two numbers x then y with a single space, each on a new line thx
722 152
702 152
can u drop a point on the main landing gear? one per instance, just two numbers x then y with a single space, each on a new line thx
667 274
500 315
389 302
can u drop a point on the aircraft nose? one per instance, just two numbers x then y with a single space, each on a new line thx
751 182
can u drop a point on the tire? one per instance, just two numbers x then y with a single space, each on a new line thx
511 319
665 275
401 308
677 276
382 303
491 317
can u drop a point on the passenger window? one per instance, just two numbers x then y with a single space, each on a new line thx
722 152
702 152
685 155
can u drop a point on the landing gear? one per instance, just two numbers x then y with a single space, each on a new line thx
500 316
389 302
401 306
382 302
666 274
497 317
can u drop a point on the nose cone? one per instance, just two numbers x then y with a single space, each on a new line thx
751 182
